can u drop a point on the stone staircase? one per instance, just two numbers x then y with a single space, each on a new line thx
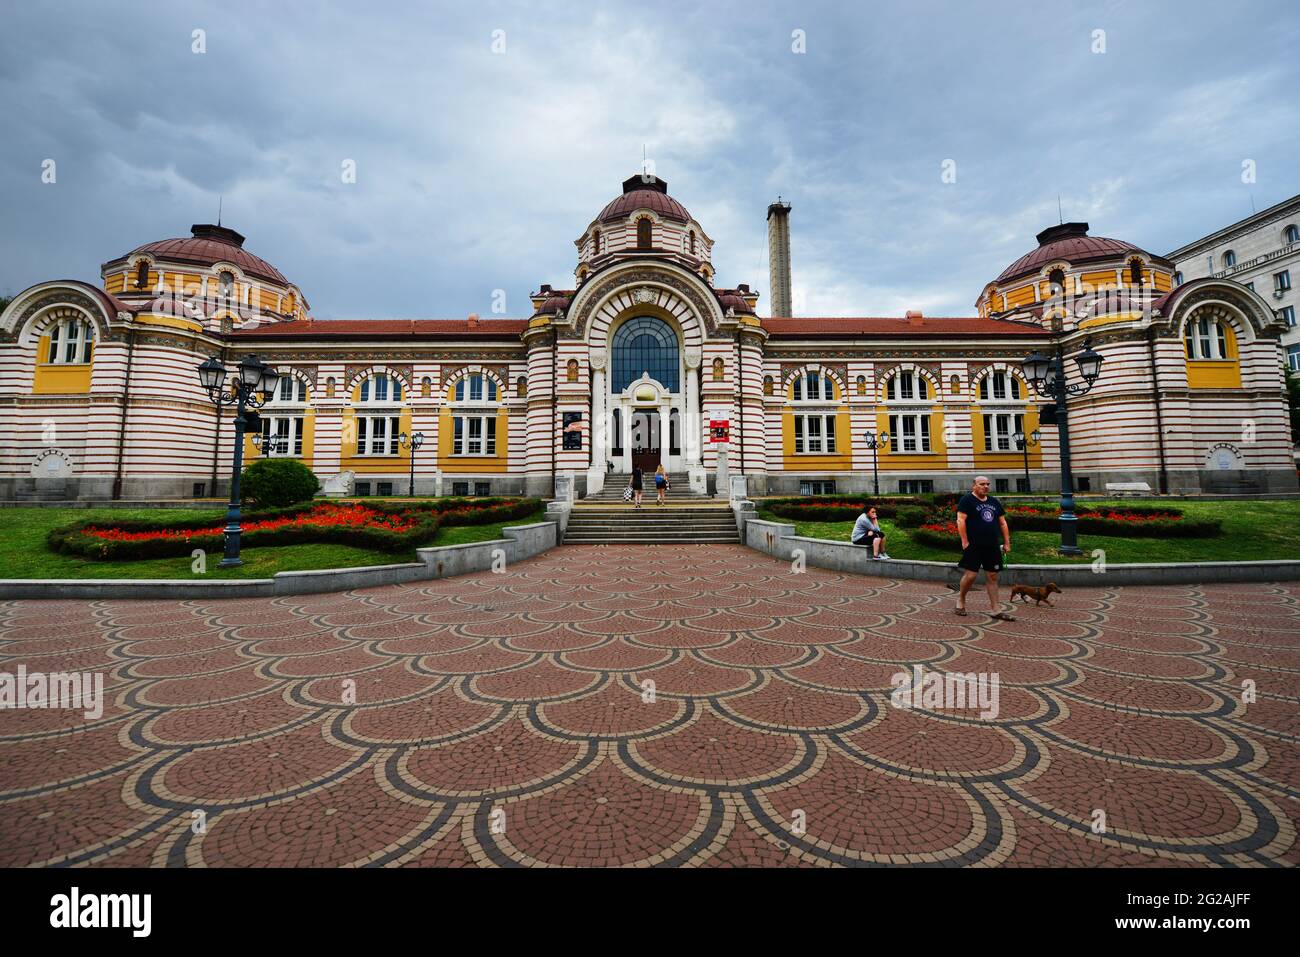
650 524
615 482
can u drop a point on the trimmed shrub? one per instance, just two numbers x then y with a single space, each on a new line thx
275 483
836 509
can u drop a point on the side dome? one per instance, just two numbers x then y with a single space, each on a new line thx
1070 242
208 244
642 193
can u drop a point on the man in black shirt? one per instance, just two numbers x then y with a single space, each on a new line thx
985 539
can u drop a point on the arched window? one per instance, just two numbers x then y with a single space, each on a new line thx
862 385
1178 278
226 285
71 342
426 387
1229 259
767 385
1205 339
1056 282
645 344
719 371
283 417
907 385
329 387
1292 233
954 385
812 387
290 389
595 243
474 416
521 386
999 387
378 427
472 388
571 370
692 236
1135 272
381 387
643 233
142 275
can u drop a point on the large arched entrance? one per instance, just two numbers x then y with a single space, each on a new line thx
645 383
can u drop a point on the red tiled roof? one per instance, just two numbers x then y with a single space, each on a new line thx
208 245
385 328
837 326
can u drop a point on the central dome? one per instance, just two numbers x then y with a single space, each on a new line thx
644 192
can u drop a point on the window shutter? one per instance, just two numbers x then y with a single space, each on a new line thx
491 435
988 432
361 436
458 439
893 431
830 431
798 433
925 433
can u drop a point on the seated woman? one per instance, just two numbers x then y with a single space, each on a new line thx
867 531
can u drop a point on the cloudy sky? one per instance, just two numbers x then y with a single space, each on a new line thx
476 167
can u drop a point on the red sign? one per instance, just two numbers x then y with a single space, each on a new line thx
718 429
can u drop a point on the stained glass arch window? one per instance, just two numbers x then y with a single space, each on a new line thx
645 344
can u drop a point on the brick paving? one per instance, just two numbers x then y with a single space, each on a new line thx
509 719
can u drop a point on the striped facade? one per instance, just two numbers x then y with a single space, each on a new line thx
99 397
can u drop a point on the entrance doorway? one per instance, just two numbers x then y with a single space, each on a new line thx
645 441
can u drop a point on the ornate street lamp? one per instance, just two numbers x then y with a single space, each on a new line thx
250 389
875 442
1047 376
1023 442
413 442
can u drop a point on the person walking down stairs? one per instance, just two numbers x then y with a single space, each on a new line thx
661 483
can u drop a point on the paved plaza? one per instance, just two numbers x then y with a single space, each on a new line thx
675 706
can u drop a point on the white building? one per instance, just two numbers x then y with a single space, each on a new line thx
1261 252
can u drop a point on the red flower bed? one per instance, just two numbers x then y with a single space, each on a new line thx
323 515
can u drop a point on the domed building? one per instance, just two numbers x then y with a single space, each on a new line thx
645 361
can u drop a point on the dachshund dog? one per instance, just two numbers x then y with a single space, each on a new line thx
1039 595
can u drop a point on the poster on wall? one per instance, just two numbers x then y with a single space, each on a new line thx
572 430
718 429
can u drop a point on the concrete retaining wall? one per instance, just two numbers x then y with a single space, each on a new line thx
780 541
517 543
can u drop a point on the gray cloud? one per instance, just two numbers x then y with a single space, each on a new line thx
476 171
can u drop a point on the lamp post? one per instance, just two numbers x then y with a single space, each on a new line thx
1024 442
250 389
875 442
1047 376
413 442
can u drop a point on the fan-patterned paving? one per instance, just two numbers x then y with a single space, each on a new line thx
508 720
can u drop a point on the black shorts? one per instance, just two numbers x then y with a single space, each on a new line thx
987 557
868 538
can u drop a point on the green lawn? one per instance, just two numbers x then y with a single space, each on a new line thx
1254 530
23 553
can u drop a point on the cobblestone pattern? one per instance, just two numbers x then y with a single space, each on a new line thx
505 719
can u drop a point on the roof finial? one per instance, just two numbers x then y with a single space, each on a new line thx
220 201
1060 216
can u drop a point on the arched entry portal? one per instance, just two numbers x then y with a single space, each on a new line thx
644 395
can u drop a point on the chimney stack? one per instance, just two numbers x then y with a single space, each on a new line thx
778 245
